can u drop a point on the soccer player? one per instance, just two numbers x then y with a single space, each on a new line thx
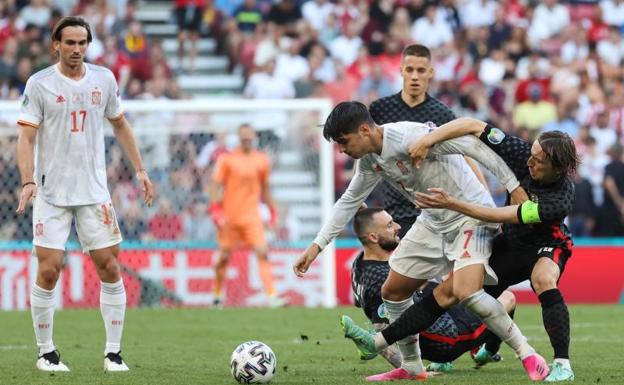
440 241
535 243
60 155
414 104
454 333
240 181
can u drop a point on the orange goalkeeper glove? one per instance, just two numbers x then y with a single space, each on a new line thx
216 214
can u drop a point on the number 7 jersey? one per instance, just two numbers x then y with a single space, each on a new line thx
70 166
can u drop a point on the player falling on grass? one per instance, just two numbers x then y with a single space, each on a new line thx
240 181
60 154
454 333
535 243
440 241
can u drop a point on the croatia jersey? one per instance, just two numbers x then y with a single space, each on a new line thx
444 167
70 167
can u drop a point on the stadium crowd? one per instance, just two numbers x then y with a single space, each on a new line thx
524 66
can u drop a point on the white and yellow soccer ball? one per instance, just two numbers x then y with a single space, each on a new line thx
253 362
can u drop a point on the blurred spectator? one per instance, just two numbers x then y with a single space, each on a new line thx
611 219
565 121
478 13
290 64
603 132
316 12
343 87
613 12
593 167
549 19
431 30
197 222
117 61
534 113
375 86
189 15
248 16
265 84
131 223
165 224
37 13
582 216
345 47
284 13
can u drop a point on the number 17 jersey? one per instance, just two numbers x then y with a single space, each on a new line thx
70 166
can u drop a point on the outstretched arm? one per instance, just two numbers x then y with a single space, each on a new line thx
362 184
524 213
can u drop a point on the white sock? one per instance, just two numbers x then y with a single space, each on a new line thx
565 362
42 311
493 314
113 308
408 346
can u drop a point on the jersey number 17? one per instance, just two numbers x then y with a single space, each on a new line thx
83 117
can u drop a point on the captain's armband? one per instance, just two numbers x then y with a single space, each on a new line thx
528 212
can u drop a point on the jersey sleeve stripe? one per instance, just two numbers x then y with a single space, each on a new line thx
27 123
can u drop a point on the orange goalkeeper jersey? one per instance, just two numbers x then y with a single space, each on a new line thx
243 177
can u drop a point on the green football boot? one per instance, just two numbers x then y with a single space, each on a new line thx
362 339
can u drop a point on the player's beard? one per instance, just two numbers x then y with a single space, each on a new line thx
388 244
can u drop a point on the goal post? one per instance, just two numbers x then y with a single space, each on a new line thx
172 133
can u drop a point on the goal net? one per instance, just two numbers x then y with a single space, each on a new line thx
169 249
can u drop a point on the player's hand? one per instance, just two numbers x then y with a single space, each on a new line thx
519 196
437 198
26 196
418 151
146 186
302 264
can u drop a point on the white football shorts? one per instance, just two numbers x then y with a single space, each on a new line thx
425 254
96 225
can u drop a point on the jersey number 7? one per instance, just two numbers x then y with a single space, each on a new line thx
83 116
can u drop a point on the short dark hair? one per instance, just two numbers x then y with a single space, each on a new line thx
417 50
560 148
345 118
70 21
362 220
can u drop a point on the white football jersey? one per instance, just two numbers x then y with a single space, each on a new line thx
444 167
70 167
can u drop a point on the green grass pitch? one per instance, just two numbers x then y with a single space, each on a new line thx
193 346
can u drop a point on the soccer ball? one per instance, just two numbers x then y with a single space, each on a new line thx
253 362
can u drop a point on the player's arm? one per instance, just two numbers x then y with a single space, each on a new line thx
362 184
125 137
554 207
453 129
439 199
215 192
25 164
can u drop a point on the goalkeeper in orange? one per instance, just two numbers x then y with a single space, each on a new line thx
239 183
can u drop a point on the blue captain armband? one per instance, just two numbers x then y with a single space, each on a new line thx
528 212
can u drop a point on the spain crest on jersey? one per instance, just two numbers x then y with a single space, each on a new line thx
96 98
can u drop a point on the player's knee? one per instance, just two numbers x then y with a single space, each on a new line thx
49 275
391 293
543 281
223 258
109 269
